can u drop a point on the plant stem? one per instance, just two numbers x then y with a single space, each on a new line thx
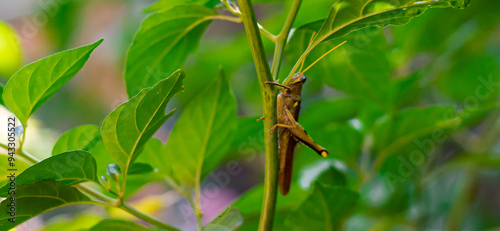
269 95
282 38
147 218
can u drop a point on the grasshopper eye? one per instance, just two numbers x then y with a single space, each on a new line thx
303 79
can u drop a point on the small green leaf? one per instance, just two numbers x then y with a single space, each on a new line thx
67 168
36 198
163 43
84 137
118 224
168 4
203 134
349 15
324 209
229 220
30 87
130 125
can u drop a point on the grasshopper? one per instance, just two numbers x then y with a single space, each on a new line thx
290 131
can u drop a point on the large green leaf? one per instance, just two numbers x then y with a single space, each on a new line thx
349 15
30 87
154 152
203 133
163 43
36 198
168 4
227 221
68 168
324 209
118 224
83 137
130 125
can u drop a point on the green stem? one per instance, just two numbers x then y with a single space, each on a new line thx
147 218
282 38
462 203
269 95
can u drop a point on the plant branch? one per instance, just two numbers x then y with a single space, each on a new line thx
281 39
146 218
269 95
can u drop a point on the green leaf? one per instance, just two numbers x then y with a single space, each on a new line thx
227 221
154 153
168 4
36 198
130 125
30 87
324 209
118 224
250 136
67 168
203 133
83 137
472 79
349 15
163 43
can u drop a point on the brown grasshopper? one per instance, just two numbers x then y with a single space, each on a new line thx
290 131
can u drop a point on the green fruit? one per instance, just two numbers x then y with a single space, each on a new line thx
10 50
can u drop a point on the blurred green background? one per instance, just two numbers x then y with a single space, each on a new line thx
448 58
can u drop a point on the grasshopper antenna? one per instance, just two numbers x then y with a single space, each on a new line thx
308 45
317 60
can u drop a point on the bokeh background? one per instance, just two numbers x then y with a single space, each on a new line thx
451 51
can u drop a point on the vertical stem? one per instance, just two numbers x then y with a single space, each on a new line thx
282 39
269 100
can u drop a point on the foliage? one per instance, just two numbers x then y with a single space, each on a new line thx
402 110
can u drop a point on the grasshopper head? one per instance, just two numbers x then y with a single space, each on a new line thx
298 78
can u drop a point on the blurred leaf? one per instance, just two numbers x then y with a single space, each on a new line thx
349 15
36 198
203 134
464 161
227 221
324 209
71 223
130 125
83 137
168 4
395 132
471 115
63 21
324 112
29 88
472 79
250 136
10 50
163 43
404 91
67 168
20 166
118 224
